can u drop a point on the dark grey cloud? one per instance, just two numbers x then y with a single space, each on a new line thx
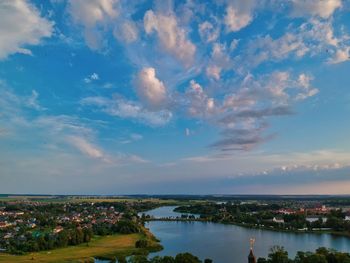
257 114
234 139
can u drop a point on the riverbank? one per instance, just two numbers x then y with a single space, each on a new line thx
107 247
179 219
343 234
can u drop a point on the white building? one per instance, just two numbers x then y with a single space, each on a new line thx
278 220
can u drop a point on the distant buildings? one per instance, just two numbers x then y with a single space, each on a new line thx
57 229
312 219
318 209
278 220
5 224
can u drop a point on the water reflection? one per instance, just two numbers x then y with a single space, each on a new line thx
229 243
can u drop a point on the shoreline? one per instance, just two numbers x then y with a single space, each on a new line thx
319 232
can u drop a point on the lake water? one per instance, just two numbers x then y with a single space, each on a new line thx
230 243
165 212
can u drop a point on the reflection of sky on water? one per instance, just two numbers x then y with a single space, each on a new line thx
225 243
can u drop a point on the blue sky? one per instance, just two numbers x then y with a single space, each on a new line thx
125 97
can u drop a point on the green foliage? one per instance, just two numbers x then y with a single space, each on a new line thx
180 258
186 258
321 255
278 255
127 227
141 243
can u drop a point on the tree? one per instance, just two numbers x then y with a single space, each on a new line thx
141 243
138 259
186 258
278 255
165 259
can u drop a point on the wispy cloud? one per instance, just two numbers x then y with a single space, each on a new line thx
171 36
21 25
94 76
91 16
322 9
120 107
85 147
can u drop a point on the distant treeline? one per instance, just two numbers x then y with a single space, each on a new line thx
321 255
179 258
276 255
247 197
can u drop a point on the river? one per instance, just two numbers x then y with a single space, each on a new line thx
230 243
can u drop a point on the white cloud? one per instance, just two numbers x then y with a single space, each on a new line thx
92 77
150 89
266 48
304 82
126 32
199 103
341 55
21 26
136 136
213 71
321 32
91 12
219 61
91 15
85 147
234 44
133 137
321 8
239 14
128 110
314 37
172 37
208 31
246 111
32 101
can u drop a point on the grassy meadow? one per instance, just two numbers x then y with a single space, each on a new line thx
105 247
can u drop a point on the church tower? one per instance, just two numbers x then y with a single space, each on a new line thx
251 257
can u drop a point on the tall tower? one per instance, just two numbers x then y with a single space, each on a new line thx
251 257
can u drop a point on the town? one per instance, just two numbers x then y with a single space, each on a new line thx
27 226
285 215
31 226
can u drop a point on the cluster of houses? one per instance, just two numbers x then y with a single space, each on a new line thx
313 214
13 223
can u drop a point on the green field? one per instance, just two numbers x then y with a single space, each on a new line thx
106 247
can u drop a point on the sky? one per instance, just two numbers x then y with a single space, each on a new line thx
174 97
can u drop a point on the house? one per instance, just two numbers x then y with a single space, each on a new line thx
286 211
57 229
347 216
8 235
278 220
32 225
312 219
4 224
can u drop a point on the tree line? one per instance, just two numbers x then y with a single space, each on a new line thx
321 255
